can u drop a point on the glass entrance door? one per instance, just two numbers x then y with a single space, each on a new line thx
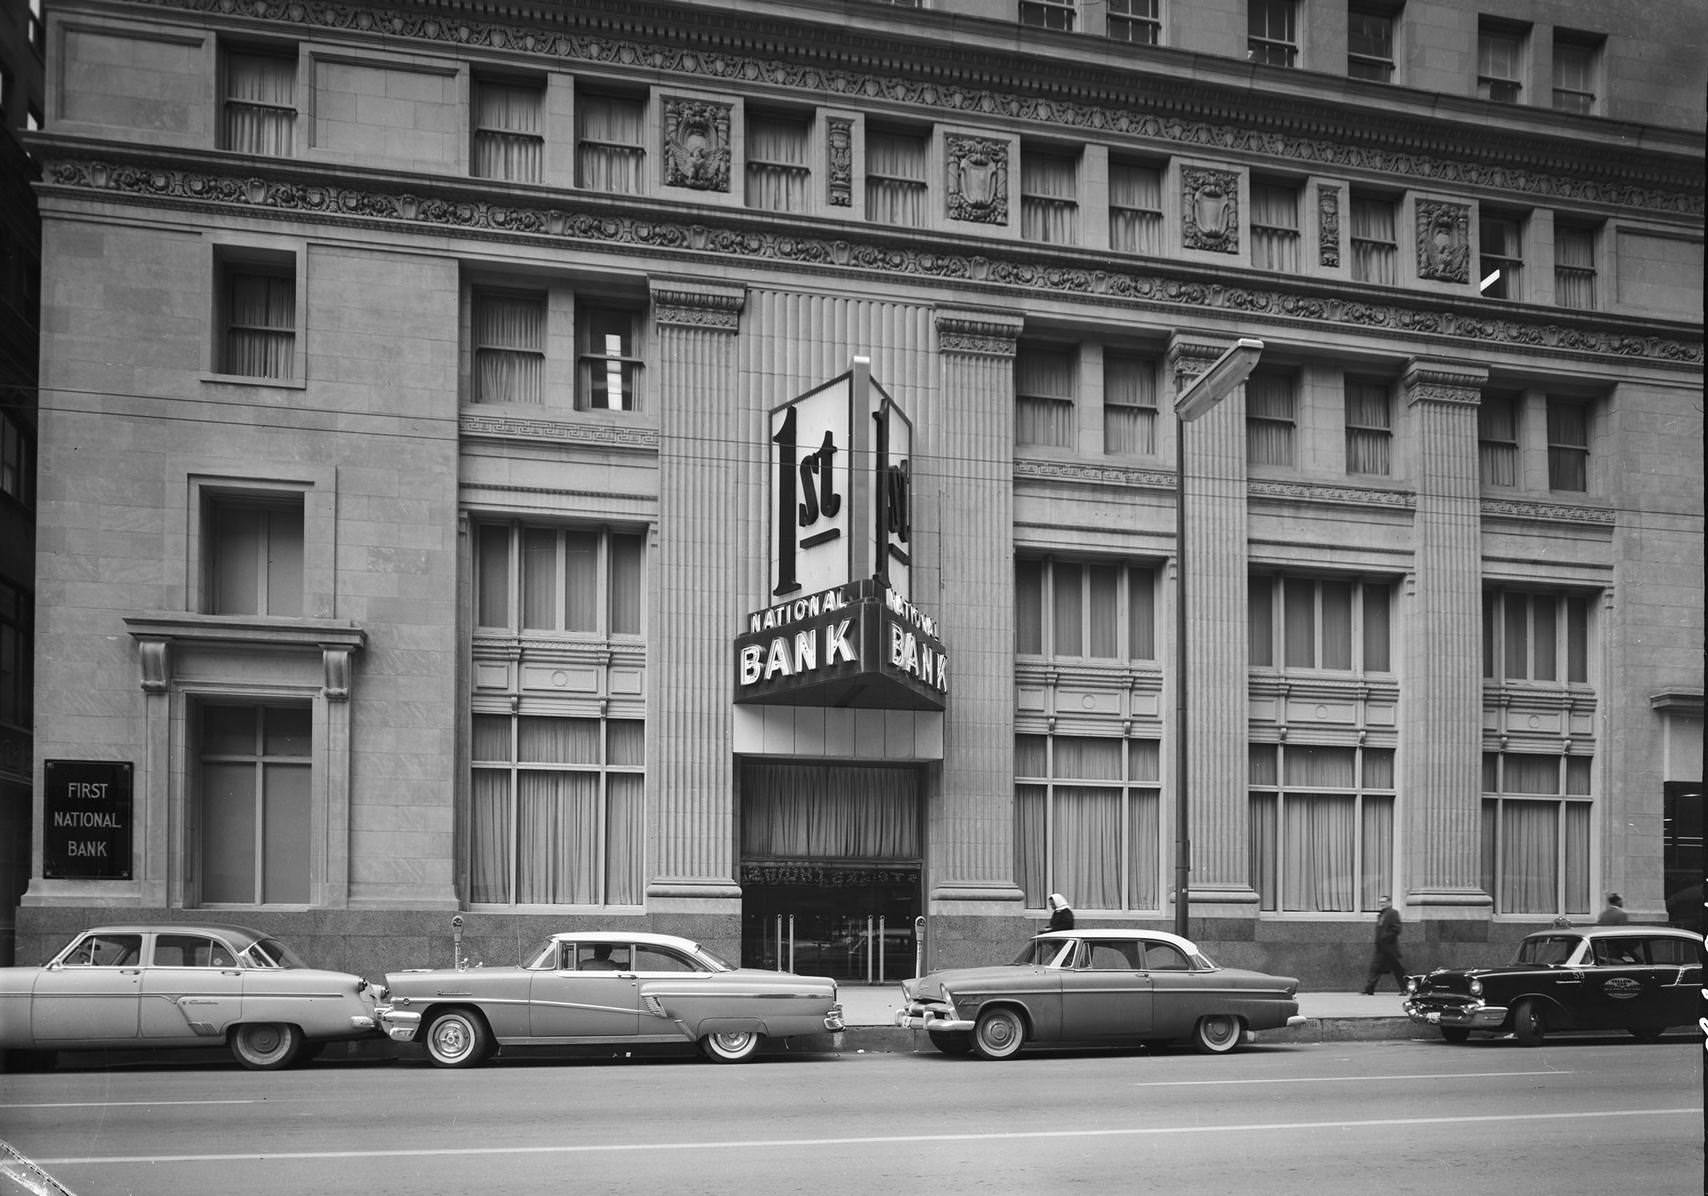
857 928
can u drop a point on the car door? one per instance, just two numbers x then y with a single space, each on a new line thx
192 988
92 994
592 992
1624 988
1106 993
1179 998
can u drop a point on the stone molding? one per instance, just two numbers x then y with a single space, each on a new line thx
979 334
691 304
504 427
577 218
1444 382
1548 512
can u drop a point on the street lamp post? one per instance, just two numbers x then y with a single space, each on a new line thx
1203 393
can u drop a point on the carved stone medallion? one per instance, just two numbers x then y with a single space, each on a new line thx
1443 241
977 178
696 144
1209 209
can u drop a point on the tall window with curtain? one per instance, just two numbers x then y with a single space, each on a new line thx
1568 444
1502 261
610 147
557 813
1270 417
1500 60
1535 833
254 803
1536 636
896 189
608 358
1497 437
259 310
1576 61
1137 22
1084 610
1272 34
829 812
1369 427
1574 266
1129 405
1319 623
1370 40
778 174
508 330
1375 245
259 110
1275 227
1322 827
1049 207
509 135
538 579
1044 386
1135 208
1087 821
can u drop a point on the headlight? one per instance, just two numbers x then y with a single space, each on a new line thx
1411 984
1476 987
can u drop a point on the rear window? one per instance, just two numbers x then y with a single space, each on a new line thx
1681 952
1547 949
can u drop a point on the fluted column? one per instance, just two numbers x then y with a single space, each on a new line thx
1441 690
1218 704
972 824
696 605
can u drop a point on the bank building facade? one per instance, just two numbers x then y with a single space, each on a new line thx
715 468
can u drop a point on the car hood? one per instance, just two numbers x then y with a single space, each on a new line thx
960 980
1458 980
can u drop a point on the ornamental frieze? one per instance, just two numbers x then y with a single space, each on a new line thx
597 223
609 49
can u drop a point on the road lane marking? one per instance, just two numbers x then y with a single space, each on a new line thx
121 1104
873 1140
1447 1075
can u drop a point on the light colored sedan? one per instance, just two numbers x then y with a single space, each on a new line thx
182 985
609 987
1097 986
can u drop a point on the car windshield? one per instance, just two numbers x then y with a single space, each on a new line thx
1547 949
1040 952
270 953
713 961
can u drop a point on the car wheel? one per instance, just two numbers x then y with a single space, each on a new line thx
266 1046
1527 1024
1455 1033
999 1034
731 1046
1217 1034
1647 1033
458 1038
952 1042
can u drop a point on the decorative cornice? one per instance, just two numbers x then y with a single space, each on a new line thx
344 195
1087 474
1547 512
474 426
1084 473
1332 495
978 334
691 304
1444 382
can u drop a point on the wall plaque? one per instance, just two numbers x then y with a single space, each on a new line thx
87 808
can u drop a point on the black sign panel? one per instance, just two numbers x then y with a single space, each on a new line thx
86 819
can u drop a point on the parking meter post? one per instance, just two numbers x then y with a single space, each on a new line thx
919 945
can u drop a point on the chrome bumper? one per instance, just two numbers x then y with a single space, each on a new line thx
1298 1019
400 1026
833 1020
1473 1016
925 1019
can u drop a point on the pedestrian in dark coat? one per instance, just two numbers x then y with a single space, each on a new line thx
1614 914
1385 959
1061 914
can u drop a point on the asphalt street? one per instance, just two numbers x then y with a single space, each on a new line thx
1589 1114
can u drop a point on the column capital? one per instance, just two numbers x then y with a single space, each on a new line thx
1443 382
978 333
697 304
1189 356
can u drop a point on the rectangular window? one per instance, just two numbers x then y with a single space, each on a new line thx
1049 208
896 189
608 362
17 461
1137 22
1048 14
1568 445
1577 59
778 176
1129 405
610 146
1369 42
258 311
1502 256
1044 384
557 810
1535 637
1135 208
1375 244
1500 61
1085 610
259 112
1497 437
1275 226
1087 821
1369 427
509 137
509 343
1272 32
1574 266
561 581
1269 418
254 804
1319 623
17 609
1535 833
1322 827
253 555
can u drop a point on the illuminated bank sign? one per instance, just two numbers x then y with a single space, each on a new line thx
86 819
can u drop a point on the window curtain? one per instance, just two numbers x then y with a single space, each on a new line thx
1269 420
1376 634
1031 843
625 838
1043 409
493 582
1574 268
1086 854
1577 857
1048 206
1029 608
1320 840
1275 228
581 581
1135 209
1141 614
610 136
508 143
1144 849
1103 631
1129 406
489 830
1369 429
260 333
1299 623
626 585
1568 446
260 104
1068 627
1260 621
1264 846
1336 625
509 354
1378 852
1529 858
777 171
895 178
539 579
808 811
557 816
1497 437
1375 252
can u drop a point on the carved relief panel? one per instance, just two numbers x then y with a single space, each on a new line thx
697 144
1443 241
1209 209
839 161
1328 225
977 178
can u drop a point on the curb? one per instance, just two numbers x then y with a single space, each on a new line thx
893 1040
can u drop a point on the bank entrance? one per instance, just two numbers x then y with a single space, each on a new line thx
831 872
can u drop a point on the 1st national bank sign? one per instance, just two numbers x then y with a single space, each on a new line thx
840 627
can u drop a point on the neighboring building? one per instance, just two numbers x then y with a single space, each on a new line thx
21 45
414 406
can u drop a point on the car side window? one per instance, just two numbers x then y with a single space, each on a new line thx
1114 957
1616 953
1672 952
660 959
602 957
1166 957
182 951
106 951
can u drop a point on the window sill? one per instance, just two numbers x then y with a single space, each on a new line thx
252 380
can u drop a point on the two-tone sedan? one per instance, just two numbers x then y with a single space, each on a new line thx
182 985
1641 979
1097 987
589 989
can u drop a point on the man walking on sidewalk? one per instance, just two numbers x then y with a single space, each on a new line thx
1385 960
